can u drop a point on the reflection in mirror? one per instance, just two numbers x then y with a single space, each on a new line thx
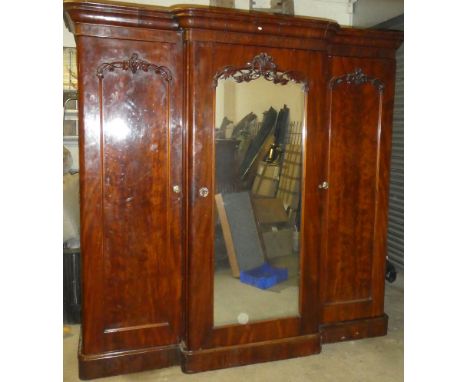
258 168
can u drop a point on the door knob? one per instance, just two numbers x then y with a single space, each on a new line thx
176 189
323 186
203 192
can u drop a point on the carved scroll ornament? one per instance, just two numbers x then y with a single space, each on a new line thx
134 64
357 78
262 65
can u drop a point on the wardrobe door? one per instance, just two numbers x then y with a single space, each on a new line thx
354 250
131 193
231 321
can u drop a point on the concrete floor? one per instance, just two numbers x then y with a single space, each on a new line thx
375 359
233 298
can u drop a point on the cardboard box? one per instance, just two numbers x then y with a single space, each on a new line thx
278 242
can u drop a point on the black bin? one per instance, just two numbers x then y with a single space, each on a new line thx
71 286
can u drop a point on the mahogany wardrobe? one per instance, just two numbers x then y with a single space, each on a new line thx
234 175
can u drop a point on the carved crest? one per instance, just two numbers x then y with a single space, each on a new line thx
134 64
357 78
262 65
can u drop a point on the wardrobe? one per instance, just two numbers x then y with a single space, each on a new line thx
178 206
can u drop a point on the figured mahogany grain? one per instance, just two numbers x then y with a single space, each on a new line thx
353 259
229 356
131 146
129 361
354 329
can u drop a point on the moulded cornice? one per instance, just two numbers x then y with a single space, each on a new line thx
193 16
368 37
118 14
223 20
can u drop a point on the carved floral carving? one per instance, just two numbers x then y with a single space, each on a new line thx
357 78
262 65
134 64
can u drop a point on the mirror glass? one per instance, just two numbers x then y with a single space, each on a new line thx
258 151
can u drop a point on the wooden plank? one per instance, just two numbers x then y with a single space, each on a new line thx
266 181
291 171
227 235
251 173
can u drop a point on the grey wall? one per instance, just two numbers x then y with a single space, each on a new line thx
396 209
371 12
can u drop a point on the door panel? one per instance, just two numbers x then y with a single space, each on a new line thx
353 261
136 270
203 333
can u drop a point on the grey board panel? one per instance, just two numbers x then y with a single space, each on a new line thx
240 215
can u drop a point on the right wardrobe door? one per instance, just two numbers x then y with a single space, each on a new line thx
360 101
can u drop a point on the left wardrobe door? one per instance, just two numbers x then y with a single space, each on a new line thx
131 202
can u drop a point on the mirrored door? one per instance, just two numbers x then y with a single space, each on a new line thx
258 178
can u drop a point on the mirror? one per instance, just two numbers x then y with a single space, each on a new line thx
258 178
